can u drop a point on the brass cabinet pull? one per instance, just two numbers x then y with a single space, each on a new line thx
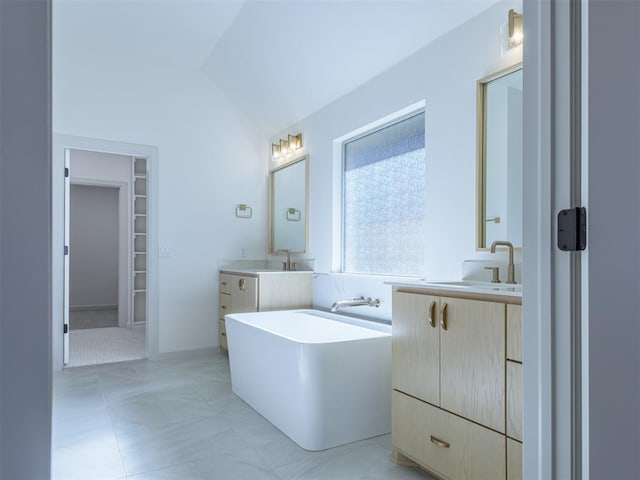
224 307
443 316
242 284
223 334
224 284
432 314
440 443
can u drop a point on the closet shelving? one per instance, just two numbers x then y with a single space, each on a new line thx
140 242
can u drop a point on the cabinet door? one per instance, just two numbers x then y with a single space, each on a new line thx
279 291
415 346
244 294
472 360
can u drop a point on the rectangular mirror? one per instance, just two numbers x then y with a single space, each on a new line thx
499 169
289 198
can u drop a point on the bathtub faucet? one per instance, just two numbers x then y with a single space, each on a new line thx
356 302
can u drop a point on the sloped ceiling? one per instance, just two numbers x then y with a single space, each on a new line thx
277 61
281 61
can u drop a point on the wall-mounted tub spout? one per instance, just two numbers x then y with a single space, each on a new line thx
356 302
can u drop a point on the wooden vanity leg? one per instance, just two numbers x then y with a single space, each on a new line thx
399 459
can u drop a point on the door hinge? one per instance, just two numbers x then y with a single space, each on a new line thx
66 249
66 171
66 328
572 229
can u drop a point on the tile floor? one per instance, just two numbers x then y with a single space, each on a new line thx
94 346
177 418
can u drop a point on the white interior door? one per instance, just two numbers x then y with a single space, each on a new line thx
67 182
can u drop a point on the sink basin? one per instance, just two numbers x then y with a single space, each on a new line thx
465 284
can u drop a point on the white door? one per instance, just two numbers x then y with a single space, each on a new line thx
65 306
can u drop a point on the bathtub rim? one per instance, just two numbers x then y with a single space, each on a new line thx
383 328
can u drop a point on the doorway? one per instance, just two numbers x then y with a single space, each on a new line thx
105 265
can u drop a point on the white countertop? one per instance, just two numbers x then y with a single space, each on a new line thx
461 287
259 271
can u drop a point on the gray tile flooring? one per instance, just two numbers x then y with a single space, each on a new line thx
177 418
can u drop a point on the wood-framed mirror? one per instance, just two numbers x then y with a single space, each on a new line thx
289 206
499 158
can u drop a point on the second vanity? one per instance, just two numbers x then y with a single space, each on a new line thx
457 379
259 289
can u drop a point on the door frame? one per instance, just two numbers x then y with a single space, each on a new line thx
553 425
61 143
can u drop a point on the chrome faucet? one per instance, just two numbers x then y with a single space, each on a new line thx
356 302
511 268
285 265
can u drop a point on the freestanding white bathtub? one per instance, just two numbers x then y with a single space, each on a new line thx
323 379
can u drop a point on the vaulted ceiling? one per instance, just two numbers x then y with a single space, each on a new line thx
277 61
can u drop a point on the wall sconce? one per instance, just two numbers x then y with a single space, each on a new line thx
516 30
293 143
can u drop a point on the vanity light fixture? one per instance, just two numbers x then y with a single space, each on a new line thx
293 143
516 29
275 150
284 147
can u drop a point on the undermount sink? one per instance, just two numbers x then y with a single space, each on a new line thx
466 284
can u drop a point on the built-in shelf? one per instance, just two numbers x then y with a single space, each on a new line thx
140 241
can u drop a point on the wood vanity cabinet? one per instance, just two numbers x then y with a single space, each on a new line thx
253 292
450 412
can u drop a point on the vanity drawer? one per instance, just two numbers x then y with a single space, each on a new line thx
224 305
225 283
409 420
222 335
514 460
514 332
514 400
446 444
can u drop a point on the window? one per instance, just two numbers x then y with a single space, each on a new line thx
384 200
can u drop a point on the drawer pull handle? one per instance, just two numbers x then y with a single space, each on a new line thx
432 316
443 316
440 443
224 307
242 284
224 335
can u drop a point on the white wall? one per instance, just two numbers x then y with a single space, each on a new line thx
209 160
93 254
444 75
